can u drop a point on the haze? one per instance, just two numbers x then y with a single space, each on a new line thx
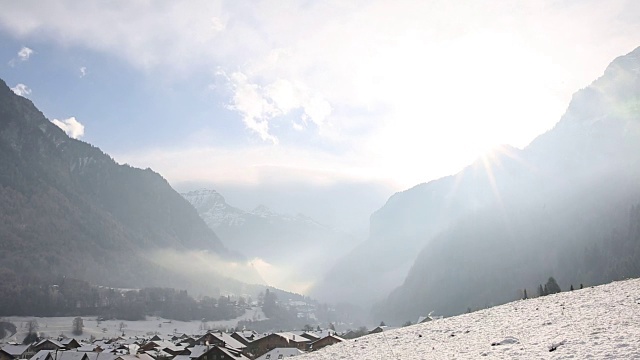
322 108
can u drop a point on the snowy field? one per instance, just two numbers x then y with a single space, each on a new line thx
55 326
593 323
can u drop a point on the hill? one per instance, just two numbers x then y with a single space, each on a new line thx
600 322
69 210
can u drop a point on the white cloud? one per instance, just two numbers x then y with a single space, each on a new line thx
71 126
25 53
83 71
426 82
21 89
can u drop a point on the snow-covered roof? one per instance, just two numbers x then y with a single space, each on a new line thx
333 336
233 353
292 337
15 350
136 357
41 355
101 356
54 342
275 353
229 340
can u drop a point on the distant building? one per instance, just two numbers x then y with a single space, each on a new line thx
277 340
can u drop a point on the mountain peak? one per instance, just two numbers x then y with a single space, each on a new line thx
262 211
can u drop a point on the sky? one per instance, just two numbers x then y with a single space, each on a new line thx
272 101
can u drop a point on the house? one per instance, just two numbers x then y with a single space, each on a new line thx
157 346
48 344
90 348
59 355
134 357
103 356
70 343
223 353
275 340
325 341
200 352
280 353
381 328
13 352
220 338
246 337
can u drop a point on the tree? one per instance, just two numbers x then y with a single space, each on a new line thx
552 286
541 291
408 323
32 326
77 326
332 327
571 288
382 323
524 296
307 327
30 339
121 327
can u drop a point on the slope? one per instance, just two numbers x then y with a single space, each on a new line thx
600 322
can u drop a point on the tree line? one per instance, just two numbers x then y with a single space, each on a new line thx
73 297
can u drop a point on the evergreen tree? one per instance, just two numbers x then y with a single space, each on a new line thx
78 325
571 288
524 297
540 290
552 286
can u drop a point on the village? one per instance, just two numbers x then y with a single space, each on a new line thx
211 345
203 344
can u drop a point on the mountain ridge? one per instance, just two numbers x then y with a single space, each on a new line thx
69 209
410 219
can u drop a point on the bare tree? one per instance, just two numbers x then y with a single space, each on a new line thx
121 327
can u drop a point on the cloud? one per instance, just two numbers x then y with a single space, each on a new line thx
433 83
71 127
25 53
83 71
21 89
259 104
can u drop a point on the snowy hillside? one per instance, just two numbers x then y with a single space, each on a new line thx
601 322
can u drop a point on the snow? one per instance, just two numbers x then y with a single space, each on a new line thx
601 323
54 326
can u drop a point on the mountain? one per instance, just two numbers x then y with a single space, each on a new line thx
594 146
68 209
567 210
600 322
301 248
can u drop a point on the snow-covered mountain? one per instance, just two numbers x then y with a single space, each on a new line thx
602 322
305 247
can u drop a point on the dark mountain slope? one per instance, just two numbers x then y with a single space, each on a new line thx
69 209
